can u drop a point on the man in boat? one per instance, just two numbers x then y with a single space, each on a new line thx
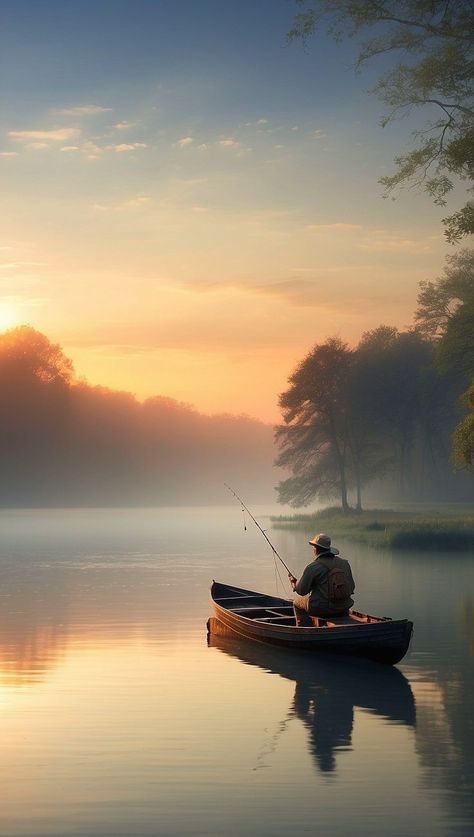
326 586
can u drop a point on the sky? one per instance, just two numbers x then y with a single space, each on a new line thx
189 203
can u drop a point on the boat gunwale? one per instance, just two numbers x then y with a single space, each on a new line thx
313 630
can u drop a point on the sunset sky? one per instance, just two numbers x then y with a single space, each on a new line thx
189 203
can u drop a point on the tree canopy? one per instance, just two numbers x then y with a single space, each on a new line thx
432 42
446 315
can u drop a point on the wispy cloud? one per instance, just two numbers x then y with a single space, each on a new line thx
228 142
124 147
136 202
184 141
124 125
8 153
53 135
82 110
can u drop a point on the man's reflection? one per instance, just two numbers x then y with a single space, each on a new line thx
326 691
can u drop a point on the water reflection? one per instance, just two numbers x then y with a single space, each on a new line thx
326 692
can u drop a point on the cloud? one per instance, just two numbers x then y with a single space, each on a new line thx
185 141
82 110
228 142
8 153
382 241
53 135
124 147
137 202
318 134
124 125
70 148
259 123
298 292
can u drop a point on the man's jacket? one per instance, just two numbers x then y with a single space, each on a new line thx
315 581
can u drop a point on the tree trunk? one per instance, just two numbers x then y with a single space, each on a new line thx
359 493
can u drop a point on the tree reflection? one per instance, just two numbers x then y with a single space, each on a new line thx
327 690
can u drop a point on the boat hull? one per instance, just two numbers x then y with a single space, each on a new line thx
383 640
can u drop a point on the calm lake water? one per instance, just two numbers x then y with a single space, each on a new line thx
118 718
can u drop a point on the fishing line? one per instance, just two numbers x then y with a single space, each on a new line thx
245 509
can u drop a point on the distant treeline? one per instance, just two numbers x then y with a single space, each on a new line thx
395 414
64 442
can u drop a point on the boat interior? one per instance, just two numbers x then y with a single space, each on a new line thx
278 612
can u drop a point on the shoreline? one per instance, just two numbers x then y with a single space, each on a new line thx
428 529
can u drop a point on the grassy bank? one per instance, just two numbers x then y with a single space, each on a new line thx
427 529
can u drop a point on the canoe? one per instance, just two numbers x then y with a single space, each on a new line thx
269 619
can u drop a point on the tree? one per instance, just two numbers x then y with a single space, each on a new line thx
404 404
26 354
446 314
313 440
433 45
330 438
34 406
439 301
354 416
463 437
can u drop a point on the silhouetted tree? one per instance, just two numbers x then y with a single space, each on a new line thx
63 442
35 378
351 417
314 440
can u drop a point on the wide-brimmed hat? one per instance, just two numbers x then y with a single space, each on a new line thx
324 543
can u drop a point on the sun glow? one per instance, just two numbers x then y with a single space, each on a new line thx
8 316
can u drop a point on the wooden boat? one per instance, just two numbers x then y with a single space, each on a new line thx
269 619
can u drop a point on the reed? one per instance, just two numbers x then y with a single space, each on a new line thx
447 529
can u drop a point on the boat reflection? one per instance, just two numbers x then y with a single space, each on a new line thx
327 690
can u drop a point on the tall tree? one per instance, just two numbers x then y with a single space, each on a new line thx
432 42
313 440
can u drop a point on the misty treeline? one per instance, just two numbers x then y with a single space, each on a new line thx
395 414
64 442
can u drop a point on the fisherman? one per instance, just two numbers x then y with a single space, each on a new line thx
326 586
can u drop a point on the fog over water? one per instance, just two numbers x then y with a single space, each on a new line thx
118 718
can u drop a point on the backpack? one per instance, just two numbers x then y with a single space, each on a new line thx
338 586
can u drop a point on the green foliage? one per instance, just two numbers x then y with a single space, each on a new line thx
446 314
432 42
440 300
463 438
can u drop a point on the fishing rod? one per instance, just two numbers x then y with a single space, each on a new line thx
257 524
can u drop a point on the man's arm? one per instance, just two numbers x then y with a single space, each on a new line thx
309 579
